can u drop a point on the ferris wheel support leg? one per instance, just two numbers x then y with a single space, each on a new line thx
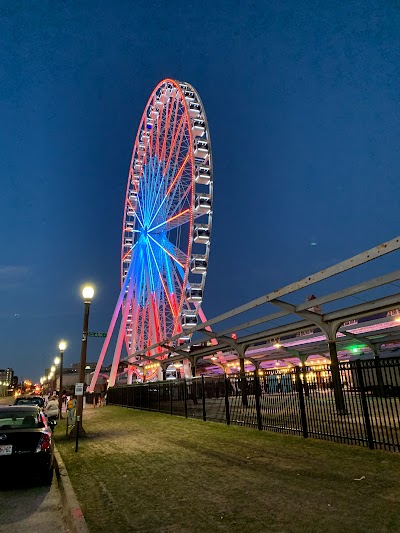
135 318
203 318
154 336
129 375
120 339
105 344
109 335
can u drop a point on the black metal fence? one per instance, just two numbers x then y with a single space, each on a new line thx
357 402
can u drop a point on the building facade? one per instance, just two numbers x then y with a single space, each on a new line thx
6 376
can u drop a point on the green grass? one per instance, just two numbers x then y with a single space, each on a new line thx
150 472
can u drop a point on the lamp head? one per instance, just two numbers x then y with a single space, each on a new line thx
62 346
53 369
88 292
57 361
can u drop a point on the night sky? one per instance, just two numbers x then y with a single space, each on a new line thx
302 100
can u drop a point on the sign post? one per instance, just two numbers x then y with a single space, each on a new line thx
78 392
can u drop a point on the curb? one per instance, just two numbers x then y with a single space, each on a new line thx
73 512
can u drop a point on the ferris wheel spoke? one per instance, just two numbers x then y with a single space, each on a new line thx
137 214
179 151
179 219
154 330
167 252
175 252
179 200
166 128
159 191
167 292
159 196
178 174
174 143
158 124
129 251
169 200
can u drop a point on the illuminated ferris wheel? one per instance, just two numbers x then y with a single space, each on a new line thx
167 222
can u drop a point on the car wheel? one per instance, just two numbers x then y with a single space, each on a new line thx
47 478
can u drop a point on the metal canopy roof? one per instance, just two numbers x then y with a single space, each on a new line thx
305 330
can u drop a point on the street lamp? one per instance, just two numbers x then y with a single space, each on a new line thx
56 363
87 293
53 384
62 345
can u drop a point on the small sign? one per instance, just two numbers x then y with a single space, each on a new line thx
78 389
96 334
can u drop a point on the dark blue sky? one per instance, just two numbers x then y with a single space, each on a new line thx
303 104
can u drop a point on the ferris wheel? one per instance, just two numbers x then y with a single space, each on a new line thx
167 223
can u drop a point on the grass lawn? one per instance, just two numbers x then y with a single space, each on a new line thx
151 472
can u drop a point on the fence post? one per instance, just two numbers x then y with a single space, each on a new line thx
140 396
159 399
203 397
299 386
378 368
360 379
243 383
185 396
257 396
227 413
170 394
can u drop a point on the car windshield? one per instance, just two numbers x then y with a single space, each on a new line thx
30 401
20 420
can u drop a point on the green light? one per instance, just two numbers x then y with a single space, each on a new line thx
354 350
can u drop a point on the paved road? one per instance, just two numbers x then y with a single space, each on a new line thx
30 508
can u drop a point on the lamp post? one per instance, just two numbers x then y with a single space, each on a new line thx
87 294
56 363
62 345
53 379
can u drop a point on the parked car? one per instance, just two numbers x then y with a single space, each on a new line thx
30 400
26 443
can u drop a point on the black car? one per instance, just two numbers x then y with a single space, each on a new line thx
26 444
30 400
